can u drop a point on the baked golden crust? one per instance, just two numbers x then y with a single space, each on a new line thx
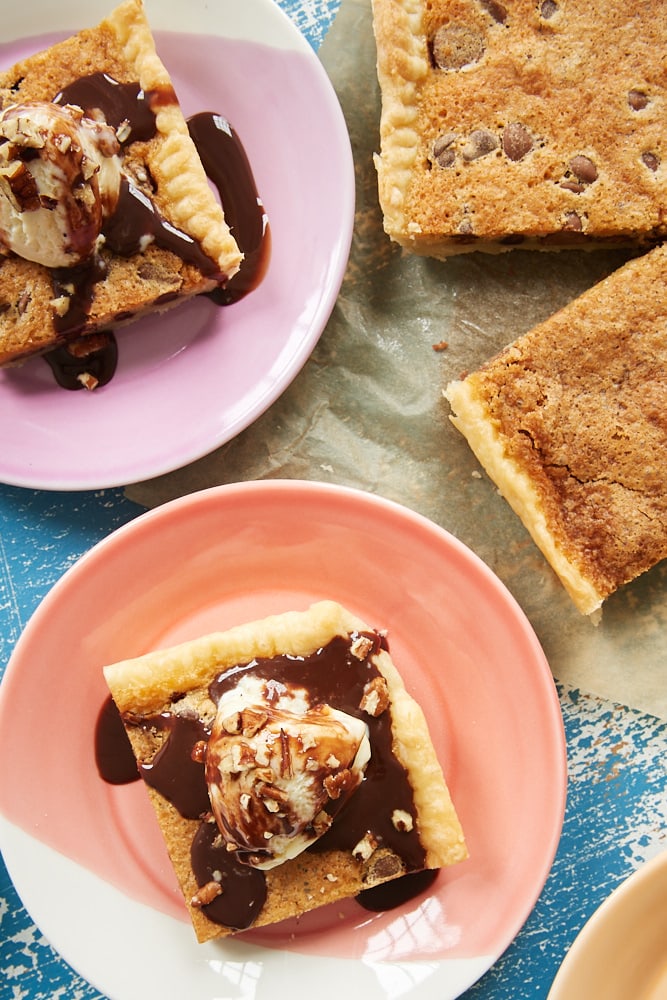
174 161
167 166
146 685
570 422
402 64
520 123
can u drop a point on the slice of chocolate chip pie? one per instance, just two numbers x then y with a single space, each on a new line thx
532 123
106 213
287 765
570 421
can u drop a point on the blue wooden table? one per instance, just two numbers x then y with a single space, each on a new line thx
616 815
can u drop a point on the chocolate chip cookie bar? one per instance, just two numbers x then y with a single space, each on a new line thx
521 123
288 767
570 422
106 212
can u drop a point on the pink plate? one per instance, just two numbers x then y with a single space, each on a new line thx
74 844
192 379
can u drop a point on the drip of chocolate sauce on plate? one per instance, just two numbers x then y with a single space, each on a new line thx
136 218
116 763
227 166
331 675
389 895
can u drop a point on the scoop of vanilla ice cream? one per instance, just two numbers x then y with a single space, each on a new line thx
273 766
59 180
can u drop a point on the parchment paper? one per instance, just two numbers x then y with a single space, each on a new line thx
367 409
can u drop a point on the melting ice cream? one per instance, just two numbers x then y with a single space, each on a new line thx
278 769
59 181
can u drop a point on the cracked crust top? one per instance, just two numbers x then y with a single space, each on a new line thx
501 120
146 685
167 167
570 422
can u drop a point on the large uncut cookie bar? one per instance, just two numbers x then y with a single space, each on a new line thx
570 422
534 123
287 765
106 212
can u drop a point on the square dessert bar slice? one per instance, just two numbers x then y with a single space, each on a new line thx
288 766
167 238
570 422
521 123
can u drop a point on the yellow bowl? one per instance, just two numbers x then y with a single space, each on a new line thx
621 953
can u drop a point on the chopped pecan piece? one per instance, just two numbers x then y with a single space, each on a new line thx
364 849
361 646
402 820
232 724
321 823
20 186
336 784
206 894
252 722
375 699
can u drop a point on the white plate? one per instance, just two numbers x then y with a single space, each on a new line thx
621 954
76 846
190 380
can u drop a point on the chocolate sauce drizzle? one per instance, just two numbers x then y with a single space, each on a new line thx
128 107
118 103
243 888
226 164
116 763
72 369
389 895
173 772
78 285
136 218
334 676
331 675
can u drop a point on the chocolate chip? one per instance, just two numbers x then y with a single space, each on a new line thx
384 867
575 186
637 100
480 143
572 222
443 152
517 141
583 169
152 271
497 11
548 8
651 161
456 45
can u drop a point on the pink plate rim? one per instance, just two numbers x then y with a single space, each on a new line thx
497 719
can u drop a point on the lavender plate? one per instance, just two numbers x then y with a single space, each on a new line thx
190 380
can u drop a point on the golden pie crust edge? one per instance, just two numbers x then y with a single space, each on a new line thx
402 61
471 417
175 161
